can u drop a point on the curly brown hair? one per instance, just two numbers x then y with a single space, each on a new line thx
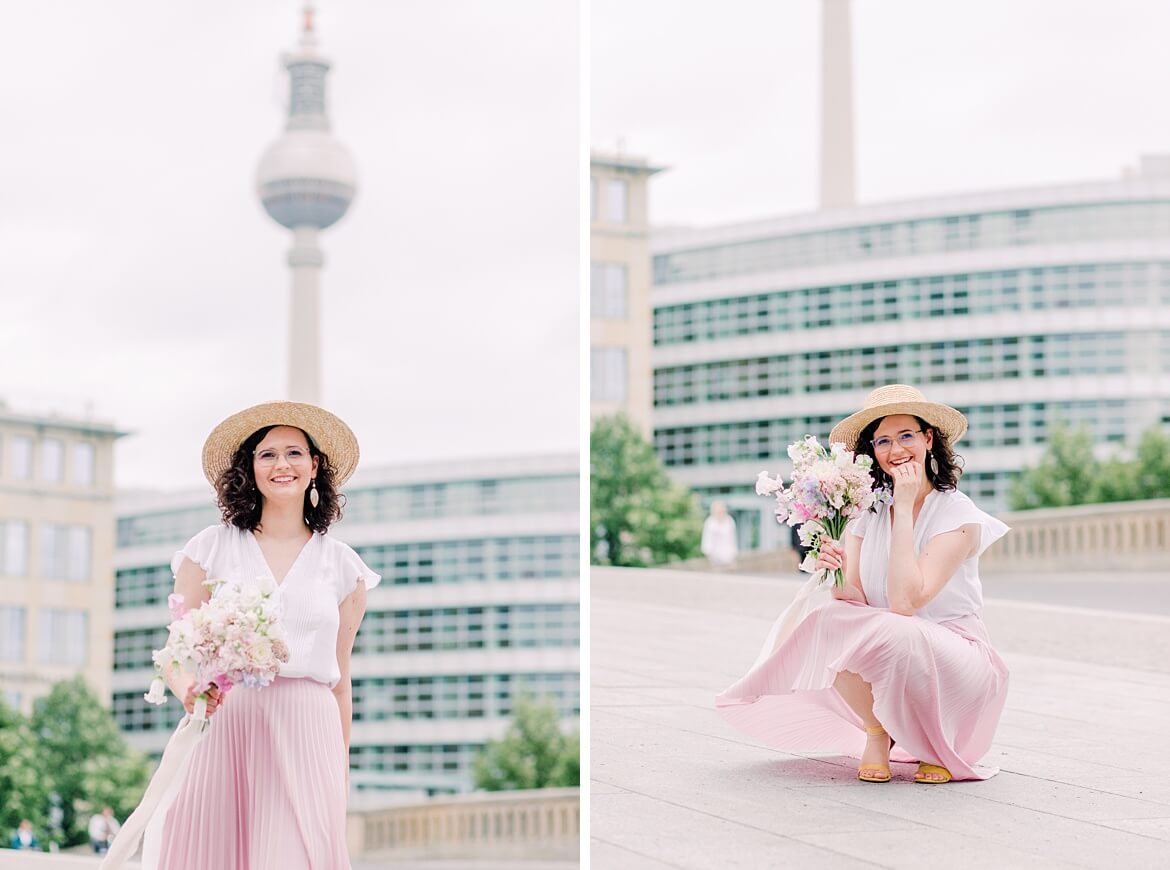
950 464
239 500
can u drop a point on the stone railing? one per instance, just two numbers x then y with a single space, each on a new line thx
765 562
511 825
1133 536
1128 536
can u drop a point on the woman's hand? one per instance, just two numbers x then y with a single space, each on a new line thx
832 556
907 484
214 695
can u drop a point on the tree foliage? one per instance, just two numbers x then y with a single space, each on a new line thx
24 793
1070 474
638 516
533 753
82 759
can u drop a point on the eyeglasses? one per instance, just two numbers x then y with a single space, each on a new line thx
885 444
294 455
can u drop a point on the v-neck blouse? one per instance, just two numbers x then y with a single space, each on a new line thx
941 512
323 575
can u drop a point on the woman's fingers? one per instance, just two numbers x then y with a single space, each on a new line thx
213 697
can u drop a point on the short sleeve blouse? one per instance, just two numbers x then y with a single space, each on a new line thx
941 512
323 575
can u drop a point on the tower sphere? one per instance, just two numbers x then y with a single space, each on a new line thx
306 178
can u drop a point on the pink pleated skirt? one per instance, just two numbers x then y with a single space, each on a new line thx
266 786
938 688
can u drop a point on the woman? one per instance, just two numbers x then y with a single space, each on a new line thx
899 657
267 785
718 543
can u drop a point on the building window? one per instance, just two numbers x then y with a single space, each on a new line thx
22 447
14 548
65 552
607 291
617 194
52 459
64 637
83 462
11 634
607 374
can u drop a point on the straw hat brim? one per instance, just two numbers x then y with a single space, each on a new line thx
330 435
944 418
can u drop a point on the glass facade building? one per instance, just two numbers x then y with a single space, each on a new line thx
478 606
1023 308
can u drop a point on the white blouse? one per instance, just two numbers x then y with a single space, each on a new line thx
323 575
941 512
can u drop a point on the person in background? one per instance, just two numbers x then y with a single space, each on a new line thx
718 543
103 827
24 838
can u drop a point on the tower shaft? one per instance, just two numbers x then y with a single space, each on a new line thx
837 159
304 356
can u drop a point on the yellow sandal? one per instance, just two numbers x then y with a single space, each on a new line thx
875 772
924 768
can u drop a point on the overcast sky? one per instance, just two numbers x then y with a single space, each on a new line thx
139 274
949 96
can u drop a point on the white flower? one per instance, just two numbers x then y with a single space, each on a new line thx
766 485
157 693
266 585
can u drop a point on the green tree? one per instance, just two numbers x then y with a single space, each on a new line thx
638 516
533 753
1151 465
23 792
86 761
1068 473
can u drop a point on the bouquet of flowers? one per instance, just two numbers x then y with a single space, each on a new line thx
829 488
235 637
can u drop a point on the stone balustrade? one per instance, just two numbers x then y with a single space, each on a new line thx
1132 536
520 825
1127 536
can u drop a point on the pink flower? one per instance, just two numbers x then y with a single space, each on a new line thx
177 604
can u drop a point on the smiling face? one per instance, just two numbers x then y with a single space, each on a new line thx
903 447
282 464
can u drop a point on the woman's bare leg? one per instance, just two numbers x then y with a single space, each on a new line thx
858 694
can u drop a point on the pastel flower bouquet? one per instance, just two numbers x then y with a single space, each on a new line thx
234 638
829 488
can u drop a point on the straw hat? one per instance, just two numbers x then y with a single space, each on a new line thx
899 399
331 436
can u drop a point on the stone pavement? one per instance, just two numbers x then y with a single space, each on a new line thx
1080 745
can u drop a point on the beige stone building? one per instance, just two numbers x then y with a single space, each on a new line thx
620 319
56 554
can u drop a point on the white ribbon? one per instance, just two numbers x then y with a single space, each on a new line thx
146 822
813 594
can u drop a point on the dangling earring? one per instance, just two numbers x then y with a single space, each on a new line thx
933 466
314 498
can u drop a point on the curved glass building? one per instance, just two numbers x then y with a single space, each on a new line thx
478 606
1021 308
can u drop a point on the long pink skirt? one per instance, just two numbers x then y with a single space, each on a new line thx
938 688
266 786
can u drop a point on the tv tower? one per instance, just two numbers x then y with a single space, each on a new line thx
306 180
837 189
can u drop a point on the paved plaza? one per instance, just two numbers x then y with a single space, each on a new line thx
1080 744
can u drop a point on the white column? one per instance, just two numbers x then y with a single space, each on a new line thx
304 349
837 182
